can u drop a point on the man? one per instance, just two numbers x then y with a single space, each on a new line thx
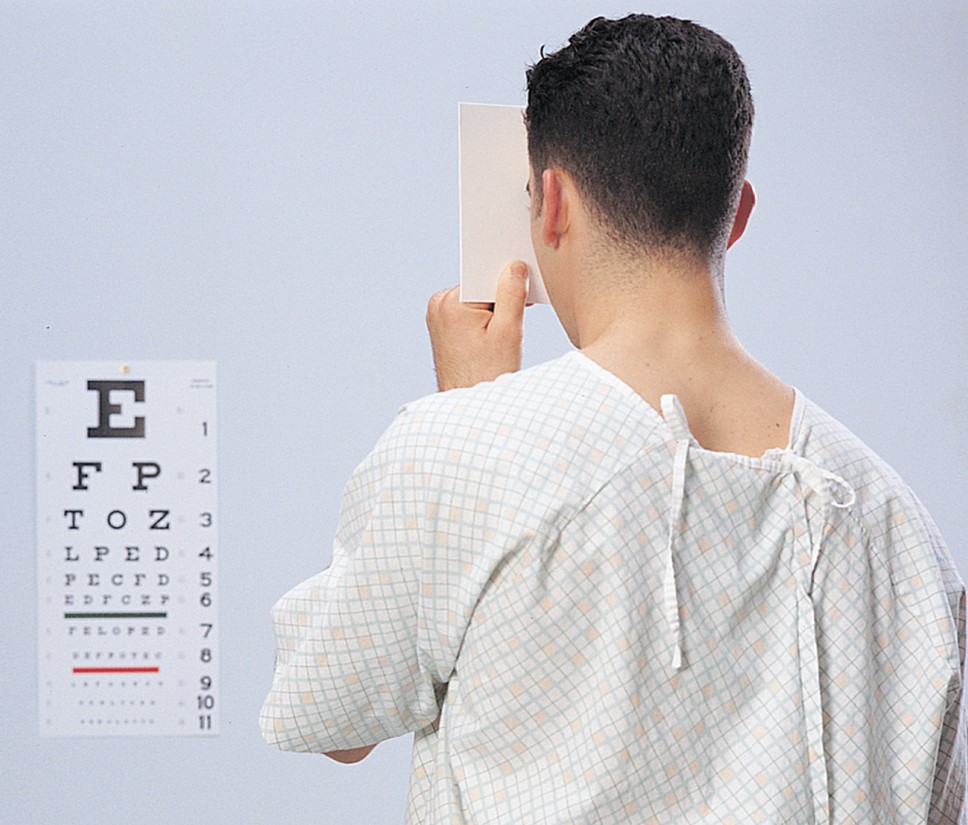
647 581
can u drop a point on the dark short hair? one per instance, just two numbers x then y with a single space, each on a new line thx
652 118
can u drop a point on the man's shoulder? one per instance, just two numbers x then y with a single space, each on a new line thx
561 412
831 444
890 510
532 399
524 381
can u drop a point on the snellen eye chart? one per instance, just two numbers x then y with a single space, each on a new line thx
127 548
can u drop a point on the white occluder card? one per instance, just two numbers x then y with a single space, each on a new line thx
494 203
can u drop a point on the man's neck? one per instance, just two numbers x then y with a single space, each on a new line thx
666 331
673 310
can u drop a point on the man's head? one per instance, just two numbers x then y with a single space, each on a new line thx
651 117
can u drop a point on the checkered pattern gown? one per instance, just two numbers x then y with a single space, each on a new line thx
585 617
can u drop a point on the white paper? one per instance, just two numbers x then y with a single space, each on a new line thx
495 224
127 548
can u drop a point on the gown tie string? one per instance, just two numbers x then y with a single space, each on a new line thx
669 593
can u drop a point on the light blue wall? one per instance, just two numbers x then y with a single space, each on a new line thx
273 185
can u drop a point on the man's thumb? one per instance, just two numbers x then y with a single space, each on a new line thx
512 294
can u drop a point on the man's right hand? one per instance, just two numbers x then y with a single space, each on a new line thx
475 342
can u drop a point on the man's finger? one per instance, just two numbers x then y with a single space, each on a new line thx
440 299
511 295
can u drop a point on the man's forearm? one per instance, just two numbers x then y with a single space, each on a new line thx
351 755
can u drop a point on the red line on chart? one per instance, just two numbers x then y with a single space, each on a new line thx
115 670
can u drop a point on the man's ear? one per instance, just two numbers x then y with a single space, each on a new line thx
747 200
554 207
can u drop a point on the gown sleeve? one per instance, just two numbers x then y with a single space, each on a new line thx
354 661
949 793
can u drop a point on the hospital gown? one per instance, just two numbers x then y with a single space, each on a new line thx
586 617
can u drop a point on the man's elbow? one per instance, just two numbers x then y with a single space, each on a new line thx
348 757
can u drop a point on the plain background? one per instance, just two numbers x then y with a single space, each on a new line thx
274 185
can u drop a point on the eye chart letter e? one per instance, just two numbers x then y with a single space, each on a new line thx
127 548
